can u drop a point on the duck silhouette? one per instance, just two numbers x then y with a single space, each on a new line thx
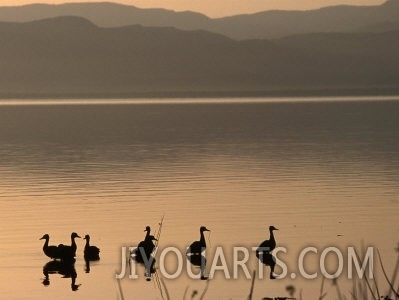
269 245
68 252
90 252
145 247
50 251
197 247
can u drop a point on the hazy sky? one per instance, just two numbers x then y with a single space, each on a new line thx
217 8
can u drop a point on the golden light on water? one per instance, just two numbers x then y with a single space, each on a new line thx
239 172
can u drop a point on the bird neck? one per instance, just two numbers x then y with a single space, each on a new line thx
148 239
202 239
46 243
87 243
73 243
272 236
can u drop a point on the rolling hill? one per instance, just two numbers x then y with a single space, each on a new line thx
72 57
263 25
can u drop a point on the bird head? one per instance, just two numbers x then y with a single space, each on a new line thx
148 229
203 228
75 235
45 237
87 237
271 228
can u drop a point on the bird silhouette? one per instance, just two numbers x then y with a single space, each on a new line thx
91 252
268 245
145 247
198 247
50 251
68 252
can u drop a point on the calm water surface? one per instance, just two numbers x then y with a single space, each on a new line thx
325 172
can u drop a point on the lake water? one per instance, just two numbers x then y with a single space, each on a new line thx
323 171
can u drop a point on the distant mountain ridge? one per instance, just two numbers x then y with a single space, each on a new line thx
268 24
72 57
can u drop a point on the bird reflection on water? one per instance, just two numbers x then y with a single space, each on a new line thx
268 260
64 268
198 261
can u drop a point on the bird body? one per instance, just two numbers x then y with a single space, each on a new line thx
50 251
91 252
268 245
68 252
145 247
198 247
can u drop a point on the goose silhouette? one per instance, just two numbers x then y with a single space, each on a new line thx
197 247
51 251
68 252
145 247
90 252
268 245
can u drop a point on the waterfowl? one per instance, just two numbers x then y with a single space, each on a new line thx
68 252
268 245
50 251
91 252
145 247
198 247
147 244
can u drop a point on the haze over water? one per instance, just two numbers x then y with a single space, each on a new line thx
325 172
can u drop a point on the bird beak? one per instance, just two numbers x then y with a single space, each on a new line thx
206 229
42 238
78 236
275 228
